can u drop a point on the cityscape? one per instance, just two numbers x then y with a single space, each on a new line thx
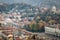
36 20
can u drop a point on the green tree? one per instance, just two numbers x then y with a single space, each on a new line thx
0 25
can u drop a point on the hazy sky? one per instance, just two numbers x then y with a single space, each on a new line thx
33 2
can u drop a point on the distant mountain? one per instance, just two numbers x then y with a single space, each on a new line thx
4 7
47 3
50 3
16 6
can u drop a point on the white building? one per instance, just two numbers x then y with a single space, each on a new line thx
54 8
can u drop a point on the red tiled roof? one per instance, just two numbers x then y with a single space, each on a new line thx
7 28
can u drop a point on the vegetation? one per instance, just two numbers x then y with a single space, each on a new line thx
36 26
